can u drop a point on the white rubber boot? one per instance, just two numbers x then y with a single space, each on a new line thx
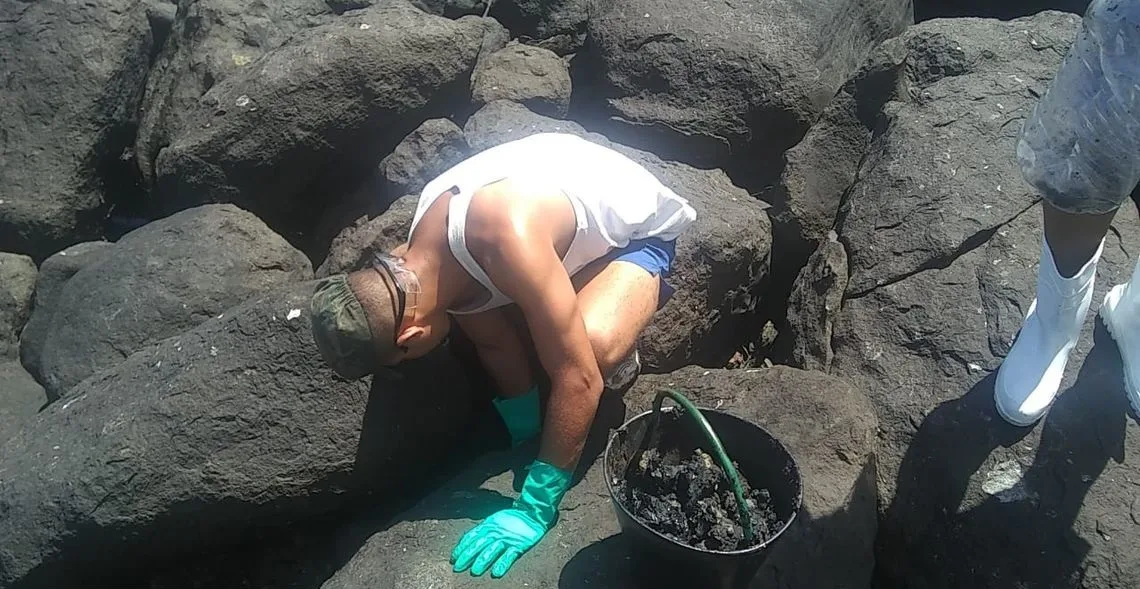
1030 377
1121 315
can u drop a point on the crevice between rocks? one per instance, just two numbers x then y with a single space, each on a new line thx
968 245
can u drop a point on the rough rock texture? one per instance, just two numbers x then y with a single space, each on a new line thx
828 546
292 133
73 77
928 9
210 41
424 154
369 235
558 25
816 300
722 259
54 272
944 240
157 281
714 76
966 499
20 398
819 170
940 174
17 283
199 440
532 76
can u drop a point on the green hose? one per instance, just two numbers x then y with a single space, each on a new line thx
718 449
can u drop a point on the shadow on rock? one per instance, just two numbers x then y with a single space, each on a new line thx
1022 533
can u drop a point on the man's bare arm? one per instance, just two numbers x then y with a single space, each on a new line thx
531 273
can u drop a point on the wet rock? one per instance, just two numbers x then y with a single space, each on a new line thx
298 129
427 152
212 40
157 281
20 398
816 300
829 546
721 262
67 116
354 246
532 76
939 175
709 80
17 283
199 440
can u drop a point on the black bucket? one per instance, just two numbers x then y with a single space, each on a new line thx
661 561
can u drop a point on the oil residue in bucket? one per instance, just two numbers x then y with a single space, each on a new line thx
691 501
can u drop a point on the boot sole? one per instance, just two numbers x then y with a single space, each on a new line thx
1014 422
1106 315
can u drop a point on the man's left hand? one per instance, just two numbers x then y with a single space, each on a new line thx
498 541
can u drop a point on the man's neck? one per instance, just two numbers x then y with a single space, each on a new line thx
442 287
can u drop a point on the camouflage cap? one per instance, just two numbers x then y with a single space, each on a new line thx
341 329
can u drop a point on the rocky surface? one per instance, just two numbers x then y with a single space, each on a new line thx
20 397
944 238
157 281
815 304
532 76
939 175
210 41
17 283
425 153
198 440
829 546
708 80
354 246
558 25
928 9
289 135
67 116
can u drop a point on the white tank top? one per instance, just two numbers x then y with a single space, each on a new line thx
615 199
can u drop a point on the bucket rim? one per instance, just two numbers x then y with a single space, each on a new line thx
742 552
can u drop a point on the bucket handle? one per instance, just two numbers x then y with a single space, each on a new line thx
718 449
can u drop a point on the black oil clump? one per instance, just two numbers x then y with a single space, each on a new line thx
691 501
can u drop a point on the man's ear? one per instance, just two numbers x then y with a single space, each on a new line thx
408 334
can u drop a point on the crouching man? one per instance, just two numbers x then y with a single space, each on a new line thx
575 234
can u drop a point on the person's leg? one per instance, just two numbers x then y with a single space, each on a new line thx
1030 376
1073 238
618 296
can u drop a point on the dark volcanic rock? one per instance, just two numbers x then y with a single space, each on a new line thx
157 281
722 259
968 501
289 135
20 398
17 283
532 76
928 9
198 440
426 153
558 25
829 546
940 175
210 41
369 235
713 76
54 272
73 76
816 300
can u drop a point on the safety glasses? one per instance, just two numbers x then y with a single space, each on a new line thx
406 283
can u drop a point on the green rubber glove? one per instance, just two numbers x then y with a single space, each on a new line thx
498 541
521 415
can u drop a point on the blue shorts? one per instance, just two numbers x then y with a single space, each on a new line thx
655 256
